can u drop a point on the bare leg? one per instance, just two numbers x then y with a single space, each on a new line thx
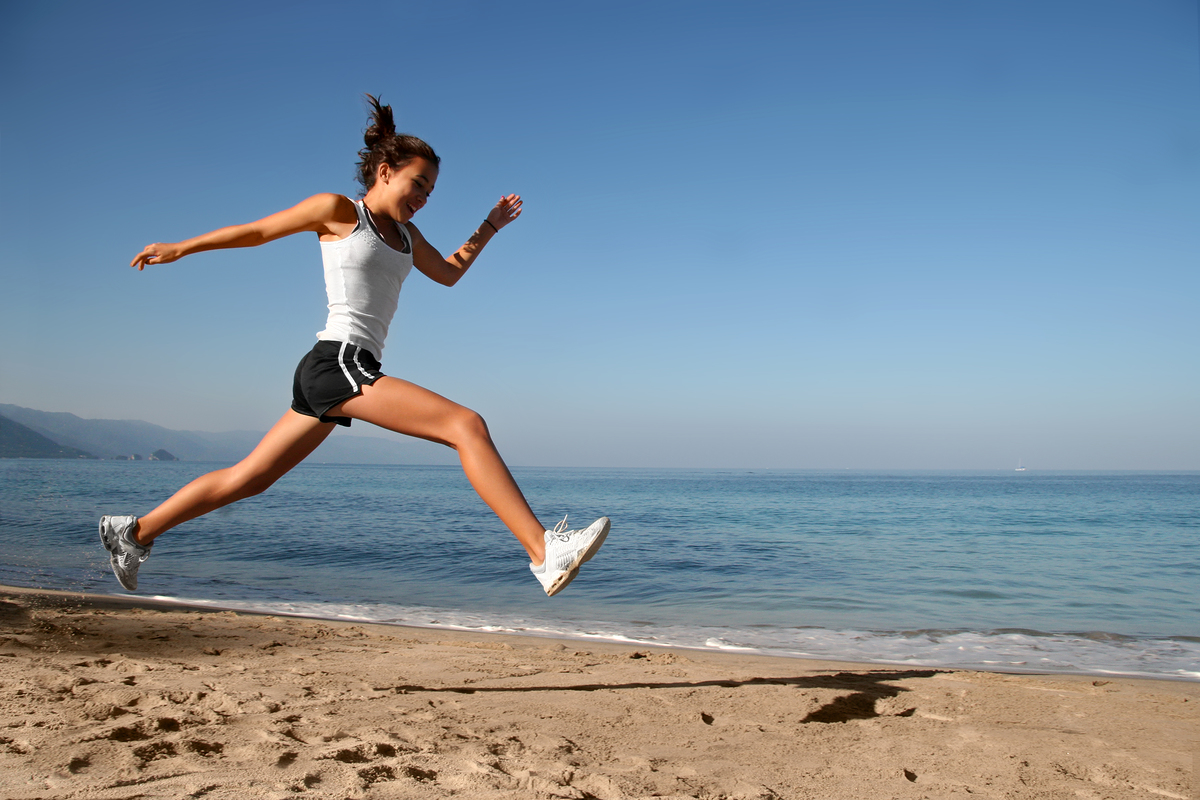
407 408
284 446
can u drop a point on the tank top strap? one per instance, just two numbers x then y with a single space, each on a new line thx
406 236
368 222
364 218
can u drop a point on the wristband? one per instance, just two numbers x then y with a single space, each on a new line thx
489 222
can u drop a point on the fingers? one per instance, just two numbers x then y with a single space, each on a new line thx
509 206
143 258
156 253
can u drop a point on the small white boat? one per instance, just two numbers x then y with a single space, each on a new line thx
1019 468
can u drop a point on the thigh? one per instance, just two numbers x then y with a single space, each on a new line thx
288 443
404 407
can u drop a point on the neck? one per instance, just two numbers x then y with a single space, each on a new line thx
374 207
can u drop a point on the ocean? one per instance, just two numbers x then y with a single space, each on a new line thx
1024 571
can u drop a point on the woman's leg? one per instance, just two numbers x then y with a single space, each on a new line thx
409 409
284 446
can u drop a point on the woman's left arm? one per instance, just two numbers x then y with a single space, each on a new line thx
448 271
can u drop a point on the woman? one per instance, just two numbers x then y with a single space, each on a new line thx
368 247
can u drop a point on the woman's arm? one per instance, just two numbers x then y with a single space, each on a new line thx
325 214
447 271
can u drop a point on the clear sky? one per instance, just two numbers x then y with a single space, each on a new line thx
935 234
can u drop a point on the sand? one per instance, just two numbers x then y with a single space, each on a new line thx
107 697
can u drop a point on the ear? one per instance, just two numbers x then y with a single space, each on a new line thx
383 173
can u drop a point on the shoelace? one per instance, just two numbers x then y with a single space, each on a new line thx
560 530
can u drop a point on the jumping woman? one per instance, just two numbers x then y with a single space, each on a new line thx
368 247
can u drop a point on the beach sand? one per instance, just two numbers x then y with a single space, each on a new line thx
106 697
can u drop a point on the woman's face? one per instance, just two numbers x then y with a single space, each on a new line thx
405 190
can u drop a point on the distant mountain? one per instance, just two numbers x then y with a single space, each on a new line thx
111 438
17 441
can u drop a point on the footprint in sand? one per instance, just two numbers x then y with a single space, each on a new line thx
155 750
205 749
376 774
127 733
422 775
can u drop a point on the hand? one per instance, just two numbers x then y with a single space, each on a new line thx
505 211
158 253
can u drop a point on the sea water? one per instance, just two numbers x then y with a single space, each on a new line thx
1045 571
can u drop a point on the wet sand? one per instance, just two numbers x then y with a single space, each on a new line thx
115 697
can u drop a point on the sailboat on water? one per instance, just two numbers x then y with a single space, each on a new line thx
1020 466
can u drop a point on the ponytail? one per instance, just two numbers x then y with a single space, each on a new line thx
385 146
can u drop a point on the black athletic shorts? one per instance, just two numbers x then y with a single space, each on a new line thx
330 373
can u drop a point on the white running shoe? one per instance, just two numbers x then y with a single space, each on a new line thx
565 551
116 534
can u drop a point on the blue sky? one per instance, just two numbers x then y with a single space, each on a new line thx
853 234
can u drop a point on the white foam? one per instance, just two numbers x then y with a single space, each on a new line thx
1026 651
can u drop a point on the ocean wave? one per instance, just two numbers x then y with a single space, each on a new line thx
1005 650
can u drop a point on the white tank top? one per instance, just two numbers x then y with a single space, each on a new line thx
363 275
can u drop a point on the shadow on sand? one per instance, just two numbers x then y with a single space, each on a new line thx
864 689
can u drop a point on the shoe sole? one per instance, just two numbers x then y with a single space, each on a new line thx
599 540
104 532
112 562
562 582
110 546
591 550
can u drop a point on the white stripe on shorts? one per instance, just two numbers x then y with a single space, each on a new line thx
345 370
368 375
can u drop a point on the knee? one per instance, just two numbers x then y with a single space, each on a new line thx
257 485
468 426
248 484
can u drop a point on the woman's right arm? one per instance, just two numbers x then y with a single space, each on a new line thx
324 214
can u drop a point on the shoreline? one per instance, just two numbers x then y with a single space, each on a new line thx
103 692
1006 657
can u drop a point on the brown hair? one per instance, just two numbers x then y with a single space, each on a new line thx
385 146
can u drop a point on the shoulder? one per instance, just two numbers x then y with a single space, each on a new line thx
331 216
413 232
328 214
331 207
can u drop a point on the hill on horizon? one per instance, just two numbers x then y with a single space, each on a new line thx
18 441
110 438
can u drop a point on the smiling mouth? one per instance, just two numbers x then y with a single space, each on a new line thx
411 211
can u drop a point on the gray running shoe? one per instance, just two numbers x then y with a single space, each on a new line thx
116 533
565 551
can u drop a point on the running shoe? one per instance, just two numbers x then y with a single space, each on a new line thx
116 533
565 551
